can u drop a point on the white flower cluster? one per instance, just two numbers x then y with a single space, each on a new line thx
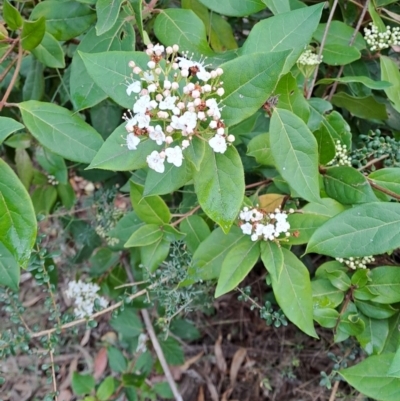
381 40
266 226
357 263
309 58
51 179
341 156
84 295
177 100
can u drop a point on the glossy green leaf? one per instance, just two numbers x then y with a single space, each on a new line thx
153 255
145 235
388 178
152 209
260 148
390 72
52 164
194 153
33 88
11 16
137 6
326 145
209 256
9 269
303 225
115 155
326 207
375 310
369 229
237 264
82 384
61 131
340 54
65 20
347 185
219 186
288 31
326 317
248 81
49 52
196 230
85 92
127 323
293 293
339 34
372 339
17 218
325 295
32 33
295 151
272 258
167 182
368 82
385 284
110 70
7 127
43 199
234 8
107 13
24 167
278 6
370 378
363 107
106 389
291 97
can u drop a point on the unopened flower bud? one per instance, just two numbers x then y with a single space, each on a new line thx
167 84
132 64
151 65
220 91
169 50
174 86
137 70
169 140
231 138
219 71
175 48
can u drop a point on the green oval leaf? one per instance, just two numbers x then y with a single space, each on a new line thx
219 186
295 151
390 72
339 54
32 33
368 82
9 269
248 82
234 8
61 131
11 16
369 229
49 52
107 13
145 235
196 230
17 218
8 126
292 290
237 264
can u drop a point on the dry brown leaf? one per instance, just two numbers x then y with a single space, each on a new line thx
212 389
237 361
221 363
65 395
191 361
200 397
270 202
227 393
85 337
392 14
100 363
71 369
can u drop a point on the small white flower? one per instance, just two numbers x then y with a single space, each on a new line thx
203 75
132 141
268 231
218 144
155 161
158 49
148 77
134 87
245 214
213 109
174 156
152 88
143 120
142 339
142 104
185 144
220 91
156 134
254 237
247 228
168 103
130 123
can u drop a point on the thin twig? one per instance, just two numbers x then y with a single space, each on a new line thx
156 344
7 69
189 213
14 77
352 39
9 50
160 355
321 48
334 391
257 184
384 190
53 370
372 162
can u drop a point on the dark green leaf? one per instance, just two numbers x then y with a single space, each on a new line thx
82 384
173 351
66 19
295 151
49 52
145 235
363 107
61 131
368 82
107 13
234 8
237 264
220 186
390 72
326 317
11 16
325 295
127 323
388 178
43 199
9 269
8 126
375 310
369 229
259 147
196 230
385 284
17 218
154 254
348 186
24 167
372 339
32 33
34 83
272 258
339 54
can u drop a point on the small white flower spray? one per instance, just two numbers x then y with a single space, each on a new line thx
261 225
356 263
176 101
342 157
381 40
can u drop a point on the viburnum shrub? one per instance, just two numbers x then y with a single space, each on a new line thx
271 140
